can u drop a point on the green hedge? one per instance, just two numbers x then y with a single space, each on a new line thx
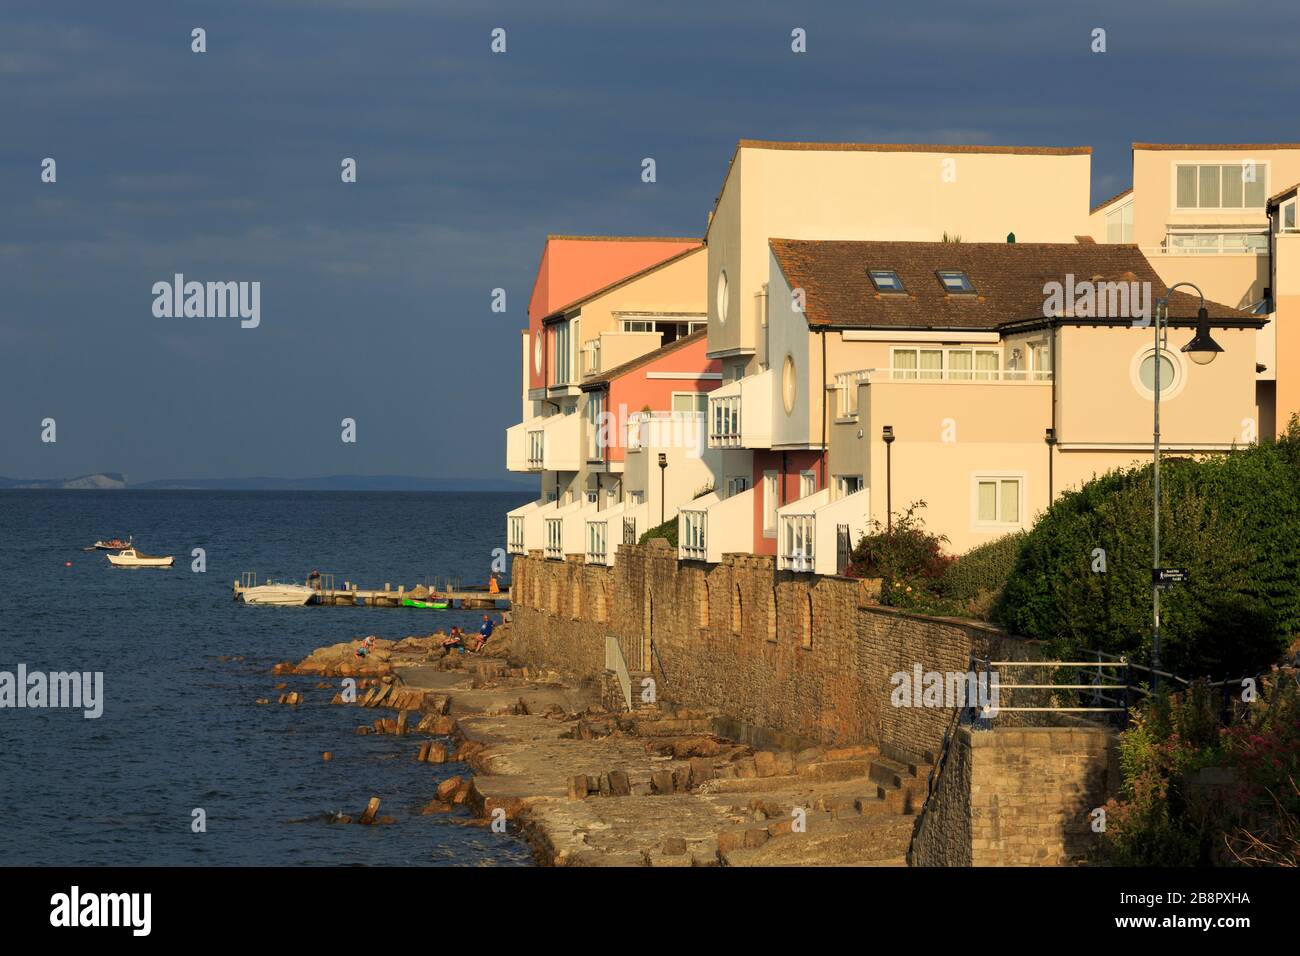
666 530
1232 520
982 570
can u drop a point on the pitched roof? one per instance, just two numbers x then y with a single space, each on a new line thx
1107 202
1287 193
583 300
604 378
1009 281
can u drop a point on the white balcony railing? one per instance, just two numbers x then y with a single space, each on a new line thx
692 535
598 541
796 545
515 535
554 540
815 533
536 453
590 358
665 430
962 375
711 526
724 422
846 392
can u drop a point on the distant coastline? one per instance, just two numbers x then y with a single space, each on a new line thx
100 481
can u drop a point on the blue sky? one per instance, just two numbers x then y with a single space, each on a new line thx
375 295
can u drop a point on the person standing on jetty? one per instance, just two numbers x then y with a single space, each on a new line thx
484 632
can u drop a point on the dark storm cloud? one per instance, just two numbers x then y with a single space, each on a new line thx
225 166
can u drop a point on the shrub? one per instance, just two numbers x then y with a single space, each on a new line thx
908 559
982 570
1233 521
667 530
1164 818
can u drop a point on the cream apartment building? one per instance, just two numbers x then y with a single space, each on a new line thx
1200 214
565 437
946 373
830 191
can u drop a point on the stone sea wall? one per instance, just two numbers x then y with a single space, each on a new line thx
792 656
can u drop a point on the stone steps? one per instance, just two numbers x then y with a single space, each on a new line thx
846 841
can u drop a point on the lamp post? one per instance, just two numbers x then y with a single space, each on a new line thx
1202 350
1050 438
663 468
888 435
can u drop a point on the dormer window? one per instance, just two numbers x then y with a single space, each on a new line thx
887 281
955 282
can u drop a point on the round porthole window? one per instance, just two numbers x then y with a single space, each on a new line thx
724 300
1172 374
537 354
789 382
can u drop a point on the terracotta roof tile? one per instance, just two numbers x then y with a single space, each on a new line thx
1008 280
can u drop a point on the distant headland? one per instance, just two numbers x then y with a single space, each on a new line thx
118 481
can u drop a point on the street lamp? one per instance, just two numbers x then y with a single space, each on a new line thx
1049 437
1202 350
887 434
663 467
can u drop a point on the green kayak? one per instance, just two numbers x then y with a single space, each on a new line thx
431 605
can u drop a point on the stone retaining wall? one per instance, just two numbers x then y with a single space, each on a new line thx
796 655
1018 797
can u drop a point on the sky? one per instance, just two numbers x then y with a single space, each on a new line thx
375 296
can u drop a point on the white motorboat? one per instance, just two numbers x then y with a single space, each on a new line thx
283 594
131 558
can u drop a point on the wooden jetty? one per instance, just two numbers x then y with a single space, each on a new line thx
350 595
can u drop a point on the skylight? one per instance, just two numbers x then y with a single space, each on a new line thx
955 282
886 280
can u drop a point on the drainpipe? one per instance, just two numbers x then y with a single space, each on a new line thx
825 449
1051 445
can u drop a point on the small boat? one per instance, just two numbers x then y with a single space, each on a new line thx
131 558
112 544
285 595
430 605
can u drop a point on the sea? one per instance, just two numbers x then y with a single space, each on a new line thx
183 767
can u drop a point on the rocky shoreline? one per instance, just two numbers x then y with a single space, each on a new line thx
657 786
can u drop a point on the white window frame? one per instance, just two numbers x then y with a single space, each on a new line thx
807 484
737 484
1262 172
1281 217
771 501
596 440
979 477
695 398
945 371
842 485
1217 248
1124 210
563 372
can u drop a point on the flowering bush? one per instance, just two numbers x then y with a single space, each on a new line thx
1167 816
908 559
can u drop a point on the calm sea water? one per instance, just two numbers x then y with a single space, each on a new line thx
180 729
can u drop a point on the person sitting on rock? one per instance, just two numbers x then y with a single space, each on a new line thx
453 641
484 632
